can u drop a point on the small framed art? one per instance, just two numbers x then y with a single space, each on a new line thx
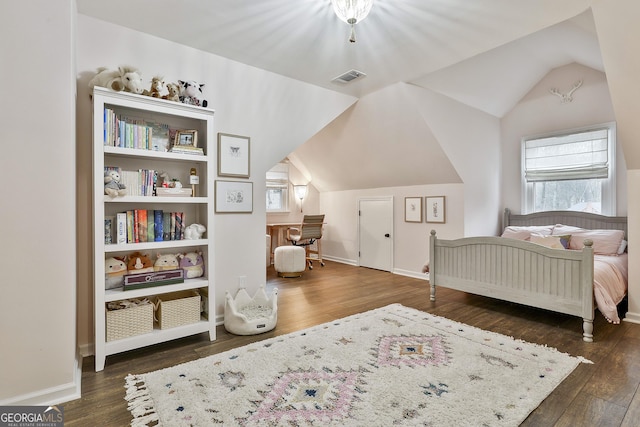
186 139
435 209
234 197
233 155
413 209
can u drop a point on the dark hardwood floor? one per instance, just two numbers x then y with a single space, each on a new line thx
605 393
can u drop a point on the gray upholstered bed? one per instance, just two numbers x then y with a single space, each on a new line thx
523 272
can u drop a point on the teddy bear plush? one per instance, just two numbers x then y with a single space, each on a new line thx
139 263
173 94
114 270
125 78
157 87
166 262
192 263
191 93
112 185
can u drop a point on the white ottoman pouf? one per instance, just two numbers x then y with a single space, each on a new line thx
290 261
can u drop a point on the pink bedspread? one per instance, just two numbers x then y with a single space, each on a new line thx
610 284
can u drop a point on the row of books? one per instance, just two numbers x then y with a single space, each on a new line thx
145 225
132 132
142 182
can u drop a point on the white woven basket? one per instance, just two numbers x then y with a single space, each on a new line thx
128 322
177 309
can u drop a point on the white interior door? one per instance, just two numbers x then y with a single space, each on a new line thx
375 231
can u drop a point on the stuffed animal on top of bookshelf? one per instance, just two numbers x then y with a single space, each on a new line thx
125 78
173 94
157 87
114 270
192 263
166 262
191 93
112 185
139 263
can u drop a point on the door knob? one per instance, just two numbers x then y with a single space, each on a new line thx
387 235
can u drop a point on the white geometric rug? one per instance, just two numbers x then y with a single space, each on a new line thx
393 366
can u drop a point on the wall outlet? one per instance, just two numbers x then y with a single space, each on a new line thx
242 282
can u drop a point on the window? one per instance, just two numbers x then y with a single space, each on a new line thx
278 188
570 171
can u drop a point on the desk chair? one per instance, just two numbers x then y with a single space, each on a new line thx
309 232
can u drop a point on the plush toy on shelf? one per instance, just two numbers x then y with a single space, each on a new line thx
173 94
194 231
192 263
157 88
139 263
112 185
125 78
114 270
191 93
166 262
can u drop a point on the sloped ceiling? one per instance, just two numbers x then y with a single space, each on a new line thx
400 41
486 55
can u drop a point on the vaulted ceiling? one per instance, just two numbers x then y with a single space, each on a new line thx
485 54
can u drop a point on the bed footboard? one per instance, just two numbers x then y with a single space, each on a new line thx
516 271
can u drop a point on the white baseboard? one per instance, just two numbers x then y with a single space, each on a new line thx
87 350
632 317
413 274
51 396
341 260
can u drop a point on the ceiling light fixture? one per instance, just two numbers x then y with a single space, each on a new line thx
352 12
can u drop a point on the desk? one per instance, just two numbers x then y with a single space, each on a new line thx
277 232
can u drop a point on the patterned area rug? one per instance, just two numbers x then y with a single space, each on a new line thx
386 367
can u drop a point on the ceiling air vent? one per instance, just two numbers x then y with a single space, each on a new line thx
349 76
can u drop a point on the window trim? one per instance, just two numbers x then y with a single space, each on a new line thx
608 189
284 184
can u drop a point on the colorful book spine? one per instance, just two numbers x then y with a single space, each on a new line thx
130 227
179 225
142 225
151 226
108 233
166 226
173 226
121 228
158 225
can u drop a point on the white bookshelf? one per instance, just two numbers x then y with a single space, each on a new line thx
197 209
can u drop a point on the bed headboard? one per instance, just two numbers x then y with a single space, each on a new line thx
586 220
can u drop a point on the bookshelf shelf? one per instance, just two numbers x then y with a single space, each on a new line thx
156 199
110 151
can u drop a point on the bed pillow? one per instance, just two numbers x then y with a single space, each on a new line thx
524 232
623 247
553 242
605 242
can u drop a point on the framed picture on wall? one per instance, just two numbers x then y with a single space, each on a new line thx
233 155
413 209
435 209
234 197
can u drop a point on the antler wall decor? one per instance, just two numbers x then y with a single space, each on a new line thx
566 97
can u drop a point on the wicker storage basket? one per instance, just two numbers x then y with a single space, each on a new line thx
128 322
177 309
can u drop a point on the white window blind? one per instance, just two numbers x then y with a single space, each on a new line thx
277 180
583 155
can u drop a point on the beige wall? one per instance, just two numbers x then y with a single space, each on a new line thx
410 240
38 286
541 112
